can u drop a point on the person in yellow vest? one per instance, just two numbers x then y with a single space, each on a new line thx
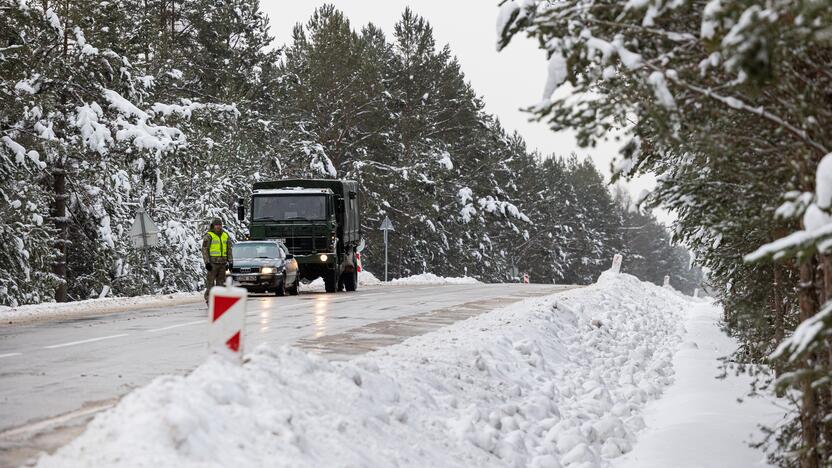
216 253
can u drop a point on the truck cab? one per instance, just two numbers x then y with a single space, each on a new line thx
317 220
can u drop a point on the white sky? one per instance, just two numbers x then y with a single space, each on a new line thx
507 80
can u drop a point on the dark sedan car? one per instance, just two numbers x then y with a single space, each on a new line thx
265 266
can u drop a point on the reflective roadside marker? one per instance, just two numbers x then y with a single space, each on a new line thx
525 278
226 320
616 263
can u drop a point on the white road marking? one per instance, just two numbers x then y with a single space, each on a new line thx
371 294
10 355
38 427
195 322
91 340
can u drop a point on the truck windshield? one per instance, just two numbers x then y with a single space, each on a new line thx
289 207
257 250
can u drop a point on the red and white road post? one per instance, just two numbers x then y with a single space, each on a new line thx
616 263
525 278
227 319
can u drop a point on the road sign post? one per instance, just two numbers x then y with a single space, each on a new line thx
386 226
144 235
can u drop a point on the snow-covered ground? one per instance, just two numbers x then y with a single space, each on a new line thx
559 381
54 310
365 278
700 420
430 278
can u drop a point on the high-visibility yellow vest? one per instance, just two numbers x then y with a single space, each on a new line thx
219 244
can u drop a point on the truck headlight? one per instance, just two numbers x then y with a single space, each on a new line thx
267 270
323 257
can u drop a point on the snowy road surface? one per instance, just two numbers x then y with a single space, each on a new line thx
84 364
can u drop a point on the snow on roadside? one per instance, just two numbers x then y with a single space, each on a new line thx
57 310
430 278
365 278
698 410
557 381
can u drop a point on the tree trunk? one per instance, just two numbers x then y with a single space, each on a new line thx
59 219
778 307
826 397
808 409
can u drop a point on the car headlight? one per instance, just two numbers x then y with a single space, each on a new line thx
323 257
267 270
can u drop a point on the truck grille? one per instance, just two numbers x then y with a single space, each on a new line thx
307 245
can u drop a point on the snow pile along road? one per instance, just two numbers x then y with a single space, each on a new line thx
558 381
430 278
55 310
365 278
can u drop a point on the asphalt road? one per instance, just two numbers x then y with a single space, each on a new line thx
56 372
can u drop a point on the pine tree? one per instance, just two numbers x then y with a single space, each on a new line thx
726 102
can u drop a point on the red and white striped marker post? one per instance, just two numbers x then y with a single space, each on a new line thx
358 262
616 263
226 319
525 278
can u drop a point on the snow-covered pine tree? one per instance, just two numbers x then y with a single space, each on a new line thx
709 92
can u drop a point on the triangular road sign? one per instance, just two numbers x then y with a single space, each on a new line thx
386 225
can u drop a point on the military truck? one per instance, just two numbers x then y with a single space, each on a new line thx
318 220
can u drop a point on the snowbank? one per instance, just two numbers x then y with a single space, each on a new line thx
365 278
55 310
558 381
698 410
430 278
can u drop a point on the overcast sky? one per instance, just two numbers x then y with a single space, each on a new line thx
507 80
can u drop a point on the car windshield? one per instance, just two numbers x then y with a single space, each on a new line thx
290 207
257 250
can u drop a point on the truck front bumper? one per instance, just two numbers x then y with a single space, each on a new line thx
316 265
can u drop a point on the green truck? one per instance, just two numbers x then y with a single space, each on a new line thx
318 221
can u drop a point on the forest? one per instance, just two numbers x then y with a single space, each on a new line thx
177 107
728 103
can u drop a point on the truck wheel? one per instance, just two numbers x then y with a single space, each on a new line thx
281 288
330 282
293 291
350 280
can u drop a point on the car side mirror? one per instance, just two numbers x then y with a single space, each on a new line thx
289 256
241 210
